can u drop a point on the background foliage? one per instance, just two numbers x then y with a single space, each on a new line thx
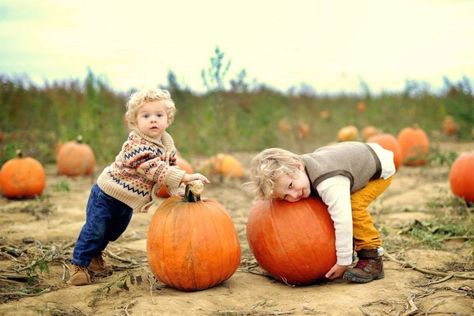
234 114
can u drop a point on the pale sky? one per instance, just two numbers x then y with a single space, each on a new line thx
330 45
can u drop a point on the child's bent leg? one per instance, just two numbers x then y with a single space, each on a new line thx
366 236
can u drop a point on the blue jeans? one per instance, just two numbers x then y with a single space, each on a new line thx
106 219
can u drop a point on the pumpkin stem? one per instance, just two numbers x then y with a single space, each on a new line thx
19 153
79 139
193 191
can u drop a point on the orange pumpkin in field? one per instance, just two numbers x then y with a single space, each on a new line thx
360 107
192 243
415 146
449 126
227 166
325 114
75 158
22 177
348 133
389 142
181 163
369 131
294 242
303 130
461 177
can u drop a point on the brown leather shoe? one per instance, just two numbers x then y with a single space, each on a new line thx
80 276
368 268
98 267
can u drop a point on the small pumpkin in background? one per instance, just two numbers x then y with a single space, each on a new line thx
450 127
22 177
348 133
303 130
461 177
369 131
415 146
325 114
389 142
182 164
361 106
192 243
227 166
75 158
293 241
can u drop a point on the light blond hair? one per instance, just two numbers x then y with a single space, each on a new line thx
267 166
139 98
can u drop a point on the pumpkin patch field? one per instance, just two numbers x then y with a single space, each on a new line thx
428 238
223 256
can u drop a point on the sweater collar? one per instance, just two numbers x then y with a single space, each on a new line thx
165 140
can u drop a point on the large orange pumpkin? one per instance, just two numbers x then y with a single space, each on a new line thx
389 142
415 146
75 158
294 242
461 177
192 244
181 163
22 177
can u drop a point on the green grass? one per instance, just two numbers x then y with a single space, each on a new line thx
36 119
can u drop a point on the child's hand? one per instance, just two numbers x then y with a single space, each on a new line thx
336 272
188 177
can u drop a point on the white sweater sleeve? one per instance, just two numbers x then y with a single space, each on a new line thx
335 193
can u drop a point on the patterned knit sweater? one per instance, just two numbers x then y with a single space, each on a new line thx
142 163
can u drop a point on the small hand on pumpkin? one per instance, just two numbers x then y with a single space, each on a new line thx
336 271
188 177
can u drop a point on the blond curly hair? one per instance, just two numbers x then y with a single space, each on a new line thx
139 98
267 166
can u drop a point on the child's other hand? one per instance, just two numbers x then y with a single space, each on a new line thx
336 272
188 177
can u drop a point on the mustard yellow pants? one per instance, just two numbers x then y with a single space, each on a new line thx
366 236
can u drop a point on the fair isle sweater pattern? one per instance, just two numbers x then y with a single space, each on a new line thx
142 163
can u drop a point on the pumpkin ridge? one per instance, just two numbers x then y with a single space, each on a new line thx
224 244
281 245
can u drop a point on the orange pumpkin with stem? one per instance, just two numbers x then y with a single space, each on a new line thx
22 177
294 242
192 243
389 142
181 163
461 177
75 158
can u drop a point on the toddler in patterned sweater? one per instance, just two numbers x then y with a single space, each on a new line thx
145 163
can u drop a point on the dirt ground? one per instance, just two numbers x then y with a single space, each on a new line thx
45 230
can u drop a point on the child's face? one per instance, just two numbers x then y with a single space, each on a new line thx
292 189
152 119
